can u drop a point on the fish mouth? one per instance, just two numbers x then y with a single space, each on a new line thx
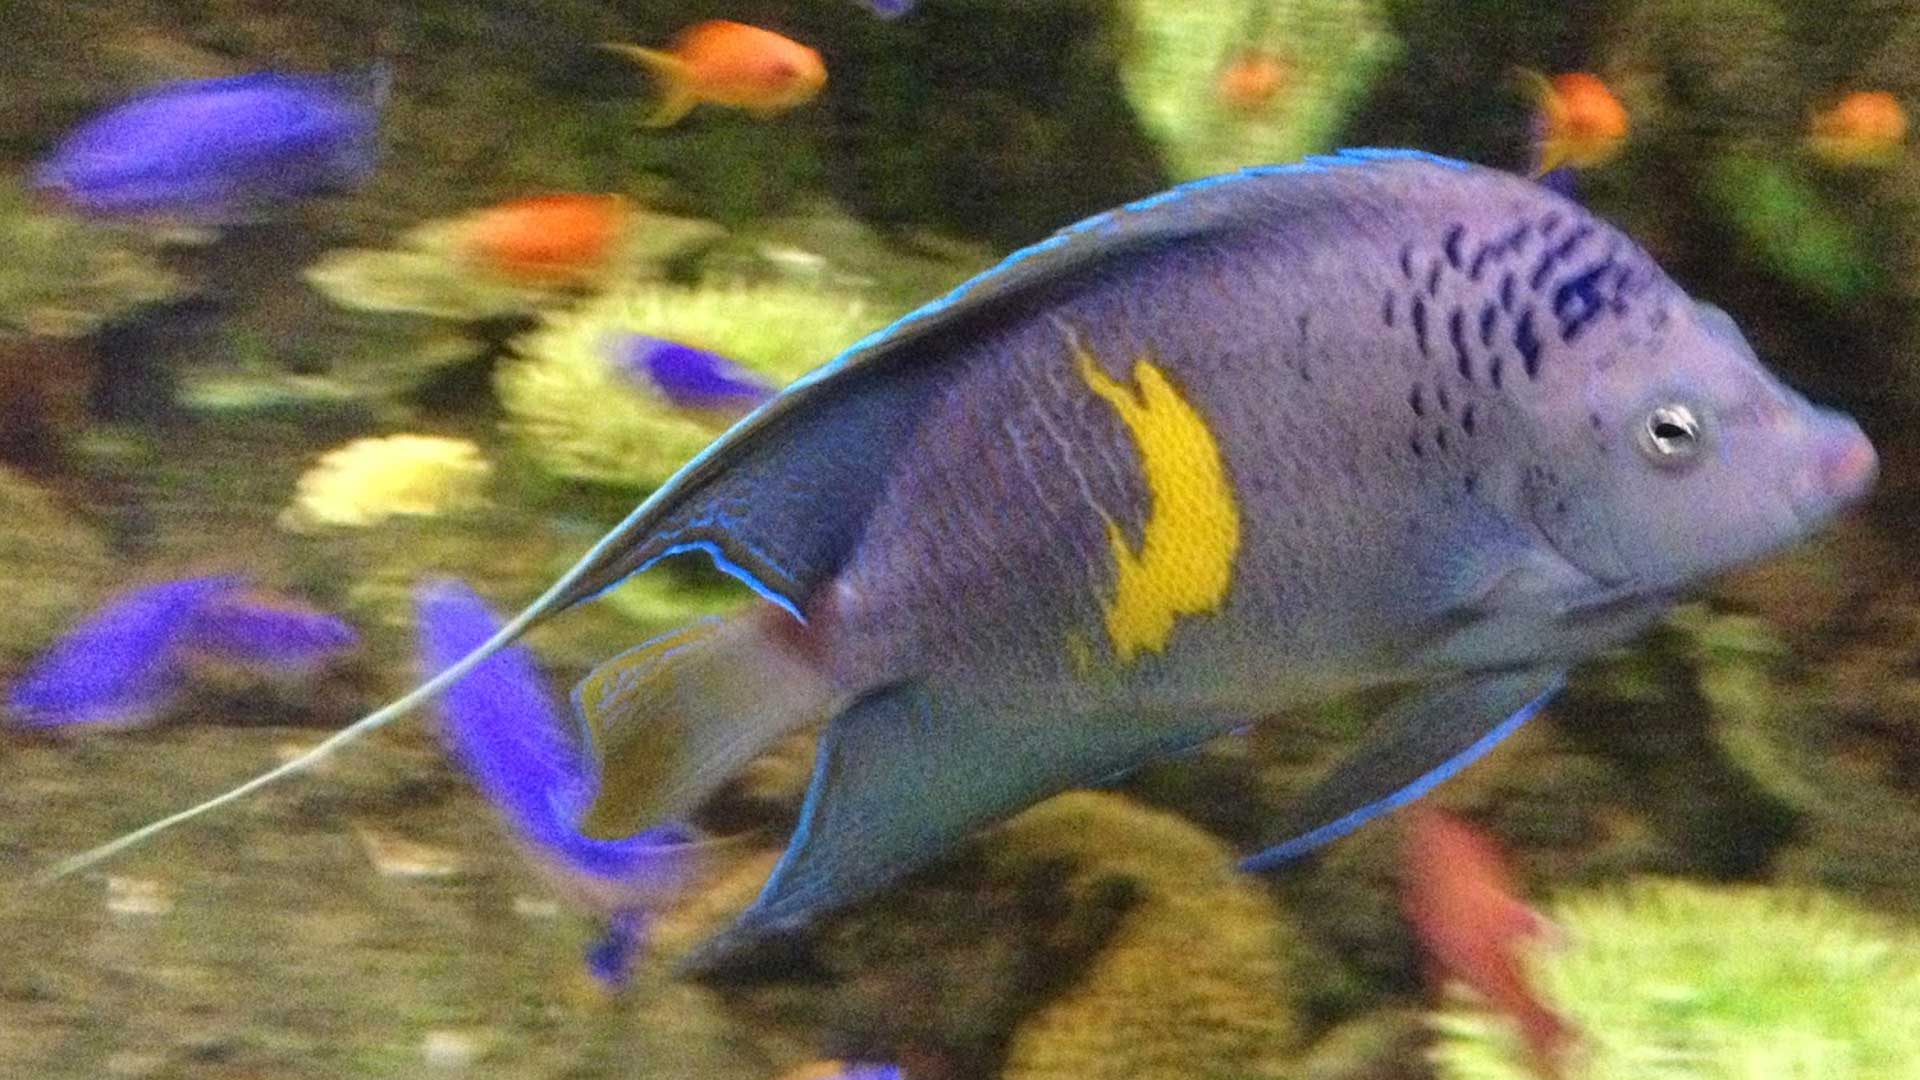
1841 474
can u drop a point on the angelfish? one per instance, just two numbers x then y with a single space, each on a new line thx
1377 420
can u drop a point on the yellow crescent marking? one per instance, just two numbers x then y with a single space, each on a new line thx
1192 533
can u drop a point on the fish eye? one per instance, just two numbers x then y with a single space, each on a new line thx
1670 435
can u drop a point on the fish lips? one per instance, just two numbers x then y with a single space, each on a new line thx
1840 472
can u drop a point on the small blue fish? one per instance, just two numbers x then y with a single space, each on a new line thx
1374 422
120 667
126 664
219 151
267 634
691 378
889 9
502 727
506 733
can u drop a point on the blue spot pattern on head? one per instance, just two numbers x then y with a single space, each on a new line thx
1334 830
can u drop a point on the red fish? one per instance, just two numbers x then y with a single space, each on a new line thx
1251 80
1580 122
1473 926
547 239
1867 127
731 64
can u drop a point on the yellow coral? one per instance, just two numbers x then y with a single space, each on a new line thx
1194 983
369 480
581 417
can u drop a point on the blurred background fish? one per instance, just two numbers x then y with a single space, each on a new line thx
1577 121
125 665
504 731
1251 79
546 239
1866 128
888 9
1473 925
692 379
218 151
719 62
266 633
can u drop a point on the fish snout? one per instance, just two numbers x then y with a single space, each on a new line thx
1842 470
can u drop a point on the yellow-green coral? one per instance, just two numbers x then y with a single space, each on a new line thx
1669 979
1331 49
581 417
1194 983
62 277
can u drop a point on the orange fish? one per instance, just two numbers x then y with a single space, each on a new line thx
732 64
1867 127
1472 926
1579 122
1251 80
546 239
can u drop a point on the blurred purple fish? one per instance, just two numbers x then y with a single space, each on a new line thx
218 151
692 378
889 9
610 959
265 633
119 667
126 664
505 731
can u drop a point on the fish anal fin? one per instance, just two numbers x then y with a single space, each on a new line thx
905 773
1411 750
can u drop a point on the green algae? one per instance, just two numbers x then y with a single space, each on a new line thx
1668 979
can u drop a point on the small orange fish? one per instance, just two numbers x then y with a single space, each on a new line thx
1251 80
1472 926
732 64
1579 122
546 239
1867 127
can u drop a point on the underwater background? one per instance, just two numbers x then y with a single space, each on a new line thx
329 397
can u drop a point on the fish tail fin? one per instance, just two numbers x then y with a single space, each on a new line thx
353 732
670 720
1550 150
676 82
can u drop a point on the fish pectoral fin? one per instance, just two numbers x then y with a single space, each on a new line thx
1426 739
905 773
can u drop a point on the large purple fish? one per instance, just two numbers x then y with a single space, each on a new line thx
1371 421
216 151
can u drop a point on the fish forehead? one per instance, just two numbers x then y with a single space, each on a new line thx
1293 344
